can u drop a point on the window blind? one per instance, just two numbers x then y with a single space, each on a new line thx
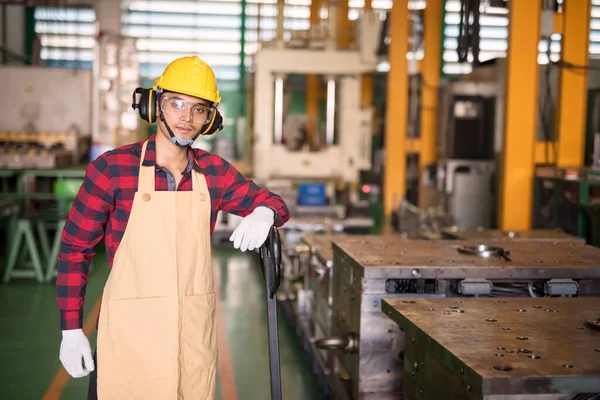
494 35
66 36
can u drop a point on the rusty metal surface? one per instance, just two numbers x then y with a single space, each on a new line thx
442 260
548 235
490 346
321 245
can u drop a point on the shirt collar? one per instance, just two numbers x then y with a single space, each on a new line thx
150 156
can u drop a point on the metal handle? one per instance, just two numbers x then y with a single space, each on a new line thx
347 342
593 323
332 343
485 251
270 254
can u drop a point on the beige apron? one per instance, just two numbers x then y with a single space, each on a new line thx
157 329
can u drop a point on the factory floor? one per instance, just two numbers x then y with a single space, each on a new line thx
30 337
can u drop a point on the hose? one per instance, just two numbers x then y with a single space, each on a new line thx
468 31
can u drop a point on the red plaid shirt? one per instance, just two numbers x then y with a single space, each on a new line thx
103 204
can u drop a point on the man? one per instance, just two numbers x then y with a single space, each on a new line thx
155 203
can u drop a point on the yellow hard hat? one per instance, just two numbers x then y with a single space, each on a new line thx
191 76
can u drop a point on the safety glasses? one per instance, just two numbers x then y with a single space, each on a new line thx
177 107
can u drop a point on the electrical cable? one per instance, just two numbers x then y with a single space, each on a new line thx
547 108
468 31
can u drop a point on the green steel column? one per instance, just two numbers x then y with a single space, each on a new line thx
242 83
29 32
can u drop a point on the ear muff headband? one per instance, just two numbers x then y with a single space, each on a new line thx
151 117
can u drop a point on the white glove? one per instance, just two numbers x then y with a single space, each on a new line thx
73 348
252 232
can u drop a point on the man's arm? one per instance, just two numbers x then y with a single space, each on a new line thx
83 230
241 196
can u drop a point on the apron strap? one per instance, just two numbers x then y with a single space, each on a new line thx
196 186
146 176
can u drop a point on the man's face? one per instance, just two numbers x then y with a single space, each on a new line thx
185 115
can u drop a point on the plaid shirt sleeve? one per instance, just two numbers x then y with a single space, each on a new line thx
83 229
240 196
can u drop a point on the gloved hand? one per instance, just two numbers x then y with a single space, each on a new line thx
252 232
73 348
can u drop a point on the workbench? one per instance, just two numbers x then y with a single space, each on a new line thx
39 211
510 348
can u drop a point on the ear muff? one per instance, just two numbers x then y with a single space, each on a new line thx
215 124
147 105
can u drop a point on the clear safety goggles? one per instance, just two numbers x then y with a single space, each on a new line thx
177 107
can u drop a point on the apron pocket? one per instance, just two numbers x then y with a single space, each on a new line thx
198 343
140 339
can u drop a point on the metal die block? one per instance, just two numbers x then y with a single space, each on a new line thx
380 347
510 348
367 271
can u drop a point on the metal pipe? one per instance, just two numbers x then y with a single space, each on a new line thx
330 124
278 123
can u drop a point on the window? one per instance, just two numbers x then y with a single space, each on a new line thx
494 35
166 30
66 36
595 30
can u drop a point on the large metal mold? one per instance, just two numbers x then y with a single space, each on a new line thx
498 348
369 269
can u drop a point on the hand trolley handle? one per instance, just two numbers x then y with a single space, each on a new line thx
270 255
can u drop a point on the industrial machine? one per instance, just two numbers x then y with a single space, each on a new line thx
368 348
342 147
490 349
39 129
470 130
306 159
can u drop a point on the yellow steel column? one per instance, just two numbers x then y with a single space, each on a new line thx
343 24
312 82
432 37
517 166
367 79
573 83
396 111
